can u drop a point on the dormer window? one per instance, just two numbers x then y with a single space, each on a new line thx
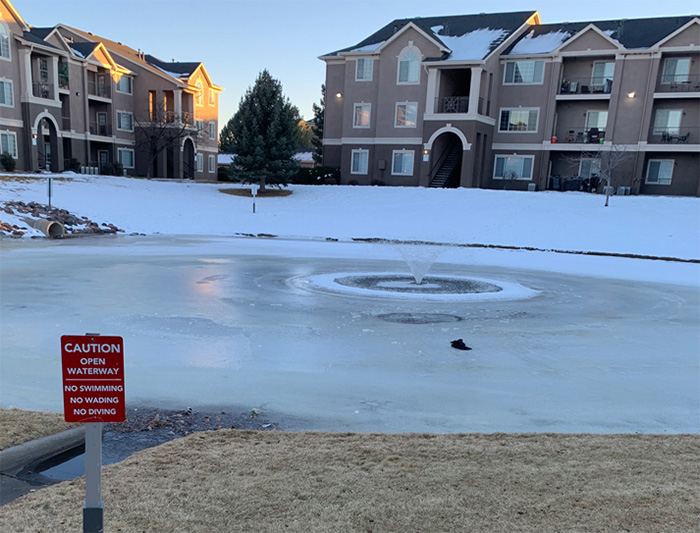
409 66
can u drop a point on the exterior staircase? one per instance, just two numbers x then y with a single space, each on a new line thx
445 170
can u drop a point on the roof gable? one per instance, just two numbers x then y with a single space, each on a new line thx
688 35
15 15
591 38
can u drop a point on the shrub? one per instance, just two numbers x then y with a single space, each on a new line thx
378 182
112 169
7 161
353 182
71 164
222 174
317 176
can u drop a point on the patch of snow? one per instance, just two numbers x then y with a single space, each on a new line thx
540 44
368 47
304 157
472 45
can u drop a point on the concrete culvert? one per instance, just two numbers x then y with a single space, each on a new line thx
50 228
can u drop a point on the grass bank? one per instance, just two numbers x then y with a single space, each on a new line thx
20 426
247 481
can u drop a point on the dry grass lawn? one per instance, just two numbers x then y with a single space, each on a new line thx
22 426
267 193
243 481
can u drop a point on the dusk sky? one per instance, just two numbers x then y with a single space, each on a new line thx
236 39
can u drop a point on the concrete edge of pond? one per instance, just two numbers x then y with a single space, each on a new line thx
13 460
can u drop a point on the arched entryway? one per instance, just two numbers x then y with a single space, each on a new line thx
188 164
47 151
448 150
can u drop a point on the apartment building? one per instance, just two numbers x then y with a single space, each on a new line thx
68 94
503 101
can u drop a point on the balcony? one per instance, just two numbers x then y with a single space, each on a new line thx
101 129
674 135
65 123
452 104
171 117
580 135
99 89
63 81
679 84
586 86
42 90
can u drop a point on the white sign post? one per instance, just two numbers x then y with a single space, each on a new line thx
254 192
49 191
93 510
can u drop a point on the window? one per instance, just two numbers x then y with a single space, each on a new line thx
523 72
361 115
402 164
200 127
200 163
125 121
409 67
198 96
212 130
660 171
513 167
667 121
363 69
519 120
6 93
212 97
359 162
589 167
125 85
212 163
4 42
8 143
602 71
676 70
43 70
126 157
596 119
406 115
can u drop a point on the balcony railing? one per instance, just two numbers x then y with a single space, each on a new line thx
586 86
679 135
63 81
100 129
679 84
42 90
452 104
99 89
65 123
171 117
579 135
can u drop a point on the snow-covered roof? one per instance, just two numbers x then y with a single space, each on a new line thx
540 44
473 45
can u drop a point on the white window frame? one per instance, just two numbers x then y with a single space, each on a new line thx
360 73
660 181
131 85
119 120
599 79
5 42
361 125
510 110
120 151
359 152
212 97
199 124
13 135
8 83
212 163
200 162
593 164
669 78
668 125
199 97
537 71
410 73
396 115
522 159
212 130
601 127
404 154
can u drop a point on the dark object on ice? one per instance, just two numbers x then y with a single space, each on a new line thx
459 344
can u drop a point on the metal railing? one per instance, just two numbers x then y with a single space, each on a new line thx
584 86
100 129
99 89
679 135
42 90
63 81
452 104
579 134
65 123
679 84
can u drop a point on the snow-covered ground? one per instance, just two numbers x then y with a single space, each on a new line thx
644 225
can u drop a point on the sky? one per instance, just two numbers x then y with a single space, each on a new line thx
236 39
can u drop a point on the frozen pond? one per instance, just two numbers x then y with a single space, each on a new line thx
222 322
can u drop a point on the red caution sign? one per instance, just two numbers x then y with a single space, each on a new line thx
93 378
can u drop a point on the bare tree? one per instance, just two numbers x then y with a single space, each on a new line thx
610 157
159 131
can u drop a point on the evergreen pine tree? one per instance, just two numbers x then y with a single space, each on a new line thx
226 138
319 112
264 131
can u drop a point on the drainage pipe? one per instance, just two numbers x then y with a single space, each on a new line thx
13 460
50 228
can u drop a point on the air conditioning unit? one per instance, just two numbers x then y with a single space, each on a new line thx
623 191
532 187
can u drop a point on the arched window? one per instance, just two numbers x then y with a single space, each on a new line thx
409 66
4 41
198 98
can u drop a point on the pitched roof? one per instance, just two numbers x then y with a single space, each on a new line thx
175 69
82 49
35 38
466 36
630 33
